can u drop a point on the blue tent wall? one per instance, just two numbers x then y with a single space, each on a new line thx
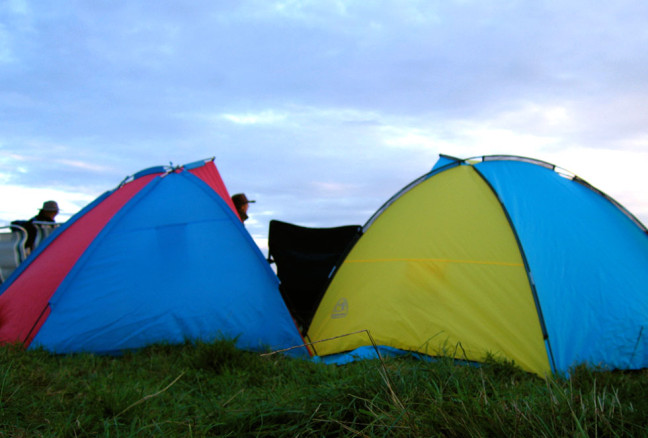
174 264
588 261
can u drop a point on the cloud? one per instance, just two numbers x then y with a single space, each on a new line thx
265 117
320 110
21 202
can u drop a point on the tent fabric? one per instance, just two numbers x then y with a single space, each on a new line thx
594 275
304 258
501 256
161 259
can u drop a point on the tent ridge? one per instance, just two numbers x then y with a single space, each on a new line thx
96 242
527 268
504 157
198 163
37 322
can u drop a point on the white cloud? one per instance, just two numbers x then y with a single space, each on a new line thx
343 100
262 118
84 165
328 189
20 202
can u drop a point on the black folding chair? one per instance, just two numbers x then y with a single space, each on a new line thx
305 258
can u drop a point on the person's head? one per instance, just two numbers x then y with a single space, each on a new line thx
49 209
241 202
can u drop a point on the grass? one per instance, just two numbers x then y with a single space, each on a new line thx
217 390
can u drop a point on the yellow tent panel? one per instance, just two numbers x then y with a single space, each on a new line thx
427 277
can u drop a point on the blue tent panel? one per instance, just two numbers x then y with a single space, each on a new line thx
588 261
174 264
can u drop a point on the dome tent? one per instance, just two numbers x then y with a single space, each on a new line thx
499 255
163 258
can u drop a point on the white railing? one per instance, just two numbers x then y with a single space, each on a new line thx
13 249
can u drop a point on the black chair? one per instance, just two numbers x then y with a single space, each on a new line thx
305 258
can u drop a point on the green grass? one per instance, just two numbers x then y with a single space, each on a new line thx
217 390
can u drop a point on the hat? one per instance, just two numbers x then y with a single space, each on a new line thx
50 206
240 199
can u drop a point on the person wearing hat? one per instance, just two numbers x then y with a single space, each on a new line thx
241 203
47 213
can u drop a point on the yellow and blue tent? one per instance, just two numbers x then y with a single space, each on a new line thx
498 256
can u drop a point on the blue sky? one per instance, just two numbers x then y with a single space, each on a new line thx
319 110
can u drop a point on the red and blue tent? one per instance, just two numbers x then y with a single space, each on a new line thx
163 258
